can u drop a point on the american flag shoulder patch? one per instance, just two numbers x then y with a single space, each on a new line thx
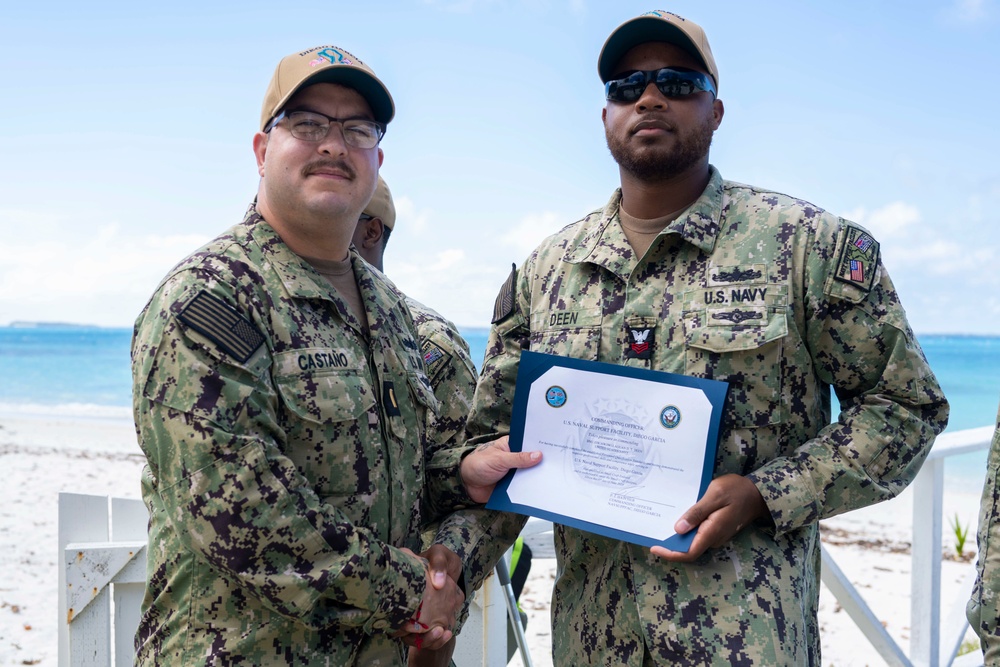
857 262
435 358
504 306
216 320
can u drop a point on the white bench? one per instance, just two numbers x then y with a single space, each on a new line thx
102 551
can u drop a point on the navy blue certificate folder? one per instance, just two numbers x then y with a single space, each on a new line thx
534 365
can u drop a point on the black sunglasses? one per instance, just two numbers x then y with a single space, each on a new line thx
672 82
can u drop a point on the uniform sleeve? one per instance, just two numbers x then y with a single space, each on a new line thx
891 404
478 536
453 377
492 533
493 402
209 426
983 610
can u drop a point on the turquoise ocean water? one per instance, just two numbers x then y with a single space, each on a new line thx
84 372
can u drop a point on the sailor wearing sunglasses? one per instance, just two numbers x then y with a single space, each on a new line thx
685 272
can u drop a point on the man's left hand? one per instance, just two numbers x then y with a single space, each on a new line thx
730 503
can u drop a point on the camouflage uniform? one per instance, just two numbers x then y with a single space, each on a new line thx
983 609
286 461
756 289
479 537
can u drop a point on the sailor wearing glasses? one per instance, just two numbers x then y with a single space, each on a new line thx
281 400
771 294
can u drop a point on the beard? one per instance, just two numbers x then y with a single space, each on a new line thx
650 164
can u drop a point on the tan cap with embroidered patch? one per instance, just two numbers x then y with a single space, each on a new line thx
656 26
325 64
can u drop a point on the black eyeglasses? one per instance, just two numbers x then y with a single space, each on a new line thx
672 82
314 126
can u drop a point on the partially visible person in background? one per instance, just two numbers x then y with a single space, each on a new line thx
983 610
453 377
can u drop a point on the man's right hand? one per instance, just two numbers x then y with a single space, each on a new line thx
432 628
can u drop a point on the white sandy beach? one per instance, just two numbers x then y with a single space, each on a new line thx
40 457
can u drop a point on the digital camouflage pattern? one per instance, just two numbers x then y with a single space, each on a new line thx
983 609
286 459
746 286
478 536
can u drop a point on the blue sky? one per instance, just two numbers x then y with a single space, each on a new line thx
125 133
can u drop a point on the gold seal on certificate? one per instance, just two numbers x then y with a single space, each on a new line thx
625 451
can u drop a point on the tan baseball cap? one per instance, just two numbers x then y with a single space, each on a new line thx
325 64
656 26
381 205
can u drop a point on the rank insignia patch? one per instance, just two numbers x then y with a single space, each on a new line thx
858 261
389 402
435 359
504 306
640 342
220 323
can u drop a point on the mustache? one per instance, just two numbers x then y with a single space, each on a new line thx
329 165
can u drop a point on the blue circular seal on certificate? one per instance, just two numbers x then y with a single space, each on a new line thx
555 396
670 417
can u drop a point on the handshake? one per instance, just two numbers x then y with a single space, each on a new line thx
481 469
432 626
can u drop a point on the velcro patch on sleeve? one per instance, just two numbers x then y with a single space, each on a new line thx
859 257
504 306
216 320
435 359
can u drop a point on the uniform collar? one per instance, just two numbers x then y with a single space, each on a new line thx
303 281
603 242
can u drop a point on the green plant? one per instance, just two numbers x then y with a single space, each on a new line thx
968 646
961 534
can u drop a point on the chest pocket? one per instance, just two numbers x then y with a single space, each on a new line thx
571 333
414 408
742 344
328 424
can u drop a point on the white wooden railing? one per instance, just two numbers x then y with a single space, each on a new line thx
102 545
934 641
102 551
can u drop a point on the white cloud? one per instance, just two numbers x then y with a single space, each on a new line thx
99 276
970 11
409 217
532 230
460 287
889 221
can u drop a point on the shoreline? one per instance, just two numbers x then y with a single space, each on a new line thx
44 455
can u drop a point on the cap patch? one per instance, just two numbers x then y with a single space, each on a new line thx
331 56
663 14
216 320
504 306
858 262
435 359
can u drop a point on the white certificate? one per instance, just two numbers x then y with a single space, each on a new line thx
626 451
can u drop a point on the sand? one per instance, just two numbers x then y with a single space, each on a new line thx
41 457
